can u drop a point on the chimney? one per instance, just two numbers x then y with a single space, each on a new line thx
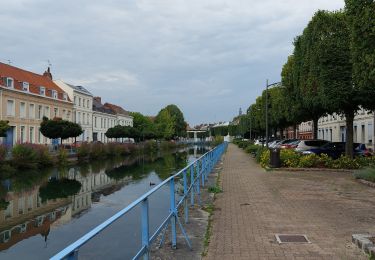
48 74
98 99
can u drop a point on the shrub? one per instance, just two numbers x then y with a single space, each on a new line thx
252 148
309 161
96 150
44 157
152 146
259 153
289 158
62 156
344 162
3 153
325 161
367 174
112 149
24 156
218 140
264 157
83 151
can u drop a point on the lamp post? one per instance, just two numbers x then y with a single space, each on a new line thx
267 86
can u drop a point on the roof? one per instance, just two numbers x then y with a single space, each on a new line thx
80 89
117 109
97 106
35 80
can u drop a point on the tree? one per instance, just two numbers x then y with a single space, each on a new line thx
333 68
361 17
4 127
165 124
179 121
145 127
58 128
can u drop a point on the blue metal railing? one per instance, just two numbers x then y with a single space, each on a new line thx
198 170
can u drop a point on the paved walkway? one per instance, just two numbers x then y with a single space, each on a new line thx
255 205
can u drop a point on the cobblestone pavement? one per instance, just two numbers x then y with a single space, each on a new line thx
255 205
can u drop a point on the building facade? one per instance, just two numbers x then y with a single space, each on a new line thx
123 117
333 128
82 108
27 97
102 119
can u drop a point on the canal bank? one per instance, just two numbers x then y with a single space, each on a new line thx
32 229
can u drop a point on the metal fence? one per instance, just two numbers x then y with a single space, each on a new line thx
193 177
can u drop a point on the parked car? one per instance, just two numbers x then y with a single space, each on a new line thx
305 145
273 144
287 144
336 149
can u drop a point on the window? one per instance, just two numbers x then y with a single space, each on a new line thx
40 113
79 101
46 112
54 94
56 111
42 91
39 137
31 139
79 118
10 108
83 118
64 114
65 96
31 111
95 121
88 119
9 82
25 86
75 100
22 110
22 134
370 132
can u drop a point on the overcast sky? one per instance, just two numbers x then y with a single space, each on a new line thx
209 57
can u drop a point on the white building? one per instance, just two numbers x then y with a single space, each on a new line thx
333 128
123 117
82 108
102 119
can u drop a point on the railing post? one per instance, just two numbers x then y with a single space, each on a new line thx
198 190
185 198
145 228
173 210
192 185
73 255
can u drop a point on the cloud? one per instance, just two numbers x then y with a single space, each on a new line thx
209 57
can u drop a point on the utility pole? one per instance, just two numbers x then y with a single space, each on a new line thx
267 114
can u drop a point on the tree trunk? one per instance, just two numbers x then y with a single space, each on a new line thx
315 128
349 134
373 129
295 131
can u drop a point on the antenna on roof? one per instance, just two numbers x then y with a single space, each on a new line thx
49 63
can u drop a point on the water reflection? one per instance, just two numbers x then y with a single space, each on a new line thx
33 202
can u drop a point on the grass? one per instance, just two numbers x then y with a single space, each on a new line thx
367 174
214 189
210 209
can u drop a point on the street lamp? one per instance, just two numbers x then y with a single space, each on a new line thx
267 86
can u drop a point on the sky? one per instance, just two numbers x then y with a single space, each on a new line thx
209 57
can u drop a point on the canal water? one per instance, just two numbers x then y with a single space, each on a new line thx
43 212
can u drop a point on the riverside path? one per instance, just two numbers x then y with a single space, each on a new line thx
327 207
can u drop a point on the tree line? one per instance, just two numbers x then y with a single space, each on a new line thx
331 70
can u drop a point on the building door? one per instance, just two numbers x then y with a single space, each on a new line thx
363 134
95 137
9 139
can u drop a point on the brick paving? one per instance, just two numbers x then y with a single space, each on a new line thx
255 205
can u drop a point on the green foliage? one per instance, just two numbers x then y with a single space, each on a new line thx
219 131
62 156
58 128
96 150
83 151
289 158
24 157
3 153
150 147
4 127
56 189
367 174
361 17
345 162
170 123
214 189
144 125
217 140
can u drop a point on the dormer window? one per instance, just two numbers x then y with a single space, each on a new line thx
65 96
54 94
42 91
9 82
25 86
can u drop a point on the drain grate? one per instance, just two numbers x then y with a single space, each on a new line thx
289 238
